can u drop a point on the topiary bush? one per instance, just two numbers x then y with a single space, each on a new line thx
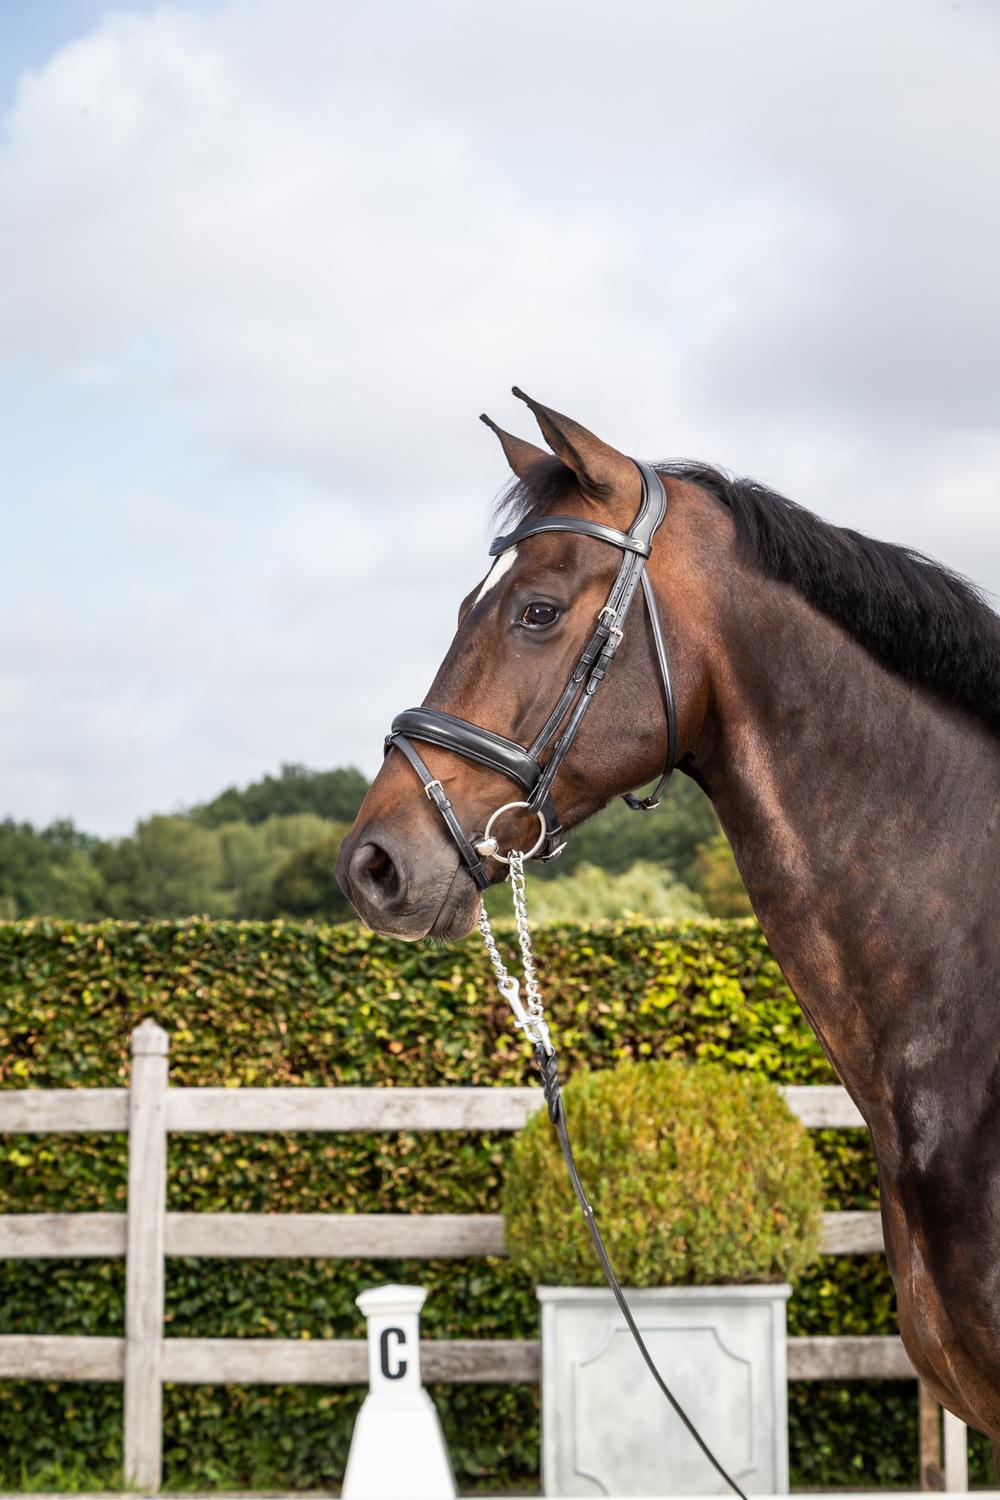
698 1176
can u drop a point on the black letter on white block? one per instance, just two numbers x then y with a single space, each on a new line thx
383 1347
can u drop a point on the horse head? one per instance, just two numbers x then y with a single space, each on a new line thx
535 639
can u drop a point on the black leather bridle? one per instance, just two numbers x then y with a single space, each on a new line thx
524 766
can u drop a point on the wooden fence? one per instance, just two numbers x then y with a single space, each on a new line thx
149 1110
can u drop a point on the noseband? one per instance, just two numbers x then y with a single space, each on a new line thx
524 766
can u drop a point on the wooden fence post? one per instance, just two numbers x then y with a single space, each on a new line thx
144 1256
931 1473
956 1453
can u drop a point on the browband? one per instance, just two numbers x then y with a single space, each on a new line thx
623 539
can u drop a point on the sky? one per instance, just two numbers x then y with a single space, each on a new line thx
264 262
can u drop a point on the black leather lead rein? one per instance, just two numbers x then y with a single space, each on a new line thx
548 1068
523 765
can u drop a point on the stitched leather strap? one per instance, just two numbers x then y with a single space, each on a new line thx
646 804
435 791
436 727
623 539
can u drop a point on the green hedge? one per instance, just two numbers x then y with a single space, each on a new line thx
280 1004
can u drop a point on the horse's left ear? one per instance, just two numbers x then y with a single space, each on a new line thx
602 472
521 456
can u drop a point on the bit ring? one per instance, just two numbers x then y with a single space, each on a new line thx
492 849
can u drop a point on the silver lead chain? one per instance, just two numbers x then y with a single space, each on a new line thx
529 1014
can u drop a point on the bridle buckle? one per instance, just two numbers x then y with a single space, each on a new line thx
611 615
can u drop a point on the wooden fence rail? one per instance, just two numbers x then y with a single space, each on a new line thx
149 1110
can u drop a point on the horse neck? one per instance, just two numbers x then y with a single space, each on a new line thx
862 813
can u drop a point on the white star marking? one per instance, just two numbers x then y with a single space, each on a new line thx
503 565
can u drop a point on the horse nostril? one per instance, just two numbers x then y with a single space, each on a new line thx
373 870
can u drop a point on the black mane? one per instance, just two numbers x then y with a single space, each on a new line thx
925 623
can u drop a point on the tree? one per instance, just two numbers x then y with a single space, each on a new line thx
592 895
617 836
30 860
717 880
335 795
168 868
304 886
252 855
77 889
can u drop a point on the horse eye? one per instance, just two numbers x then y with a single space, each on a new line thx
540 614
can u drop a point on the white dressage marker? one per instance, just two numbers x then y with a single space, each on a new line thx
397 1451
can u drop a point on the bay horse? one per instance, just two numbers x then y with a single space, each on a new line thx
838 699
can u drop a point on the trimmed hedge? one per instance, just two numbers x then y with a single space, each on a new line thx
281 1004
698 1175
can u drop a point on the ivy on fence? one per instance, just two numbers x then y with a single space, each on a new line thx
269 1004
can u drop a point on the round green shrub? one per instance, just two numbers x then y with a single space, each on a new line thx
698 1175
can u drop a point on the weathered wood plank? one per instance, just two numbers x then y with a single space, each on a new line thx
345 1236
341 1361
210 1109
823 1106
929 1427
144 1252
324 1236
62 1111
265 1361
856 1232
371 1109
848 1358
213 1109
61 1236
58 1357
333 1362
481 1361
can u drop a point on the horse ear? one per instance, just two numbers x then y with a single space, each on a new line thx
602 472
520 455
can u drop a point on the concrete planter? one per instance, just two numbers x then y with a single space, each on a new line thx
606 1427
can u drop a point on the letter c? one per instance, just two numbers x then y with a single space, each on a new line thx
398 1370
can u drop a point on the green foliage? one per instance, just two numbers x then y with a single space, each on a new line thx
31 864
617 837
280 1004
254 855
589 895
332 795
270 849
219 860
304 886
715 876
699 1176
168 865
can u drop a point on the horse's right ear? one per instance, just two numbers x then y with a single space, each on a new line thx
601 470
520 455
